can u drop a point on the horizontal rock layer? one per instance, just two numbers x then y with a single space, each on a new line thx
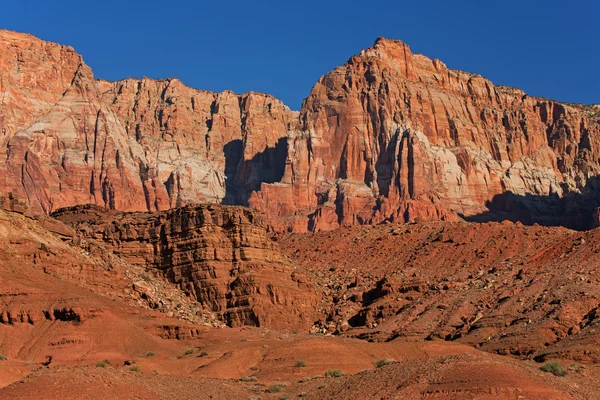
219 255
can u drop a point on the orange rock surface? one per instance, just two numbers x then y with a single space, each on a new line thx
393 135
390 135
79 308
131 145
221 256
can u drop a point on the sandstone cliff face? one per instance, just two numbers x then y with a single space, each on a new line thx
393 135
60 146
390 135
219 255
203 146
132 145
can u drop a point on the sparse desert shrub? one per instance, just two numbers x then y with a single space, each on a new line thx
188 352
255 389
134 368
29 362
382 362
203 354
2 357
555 368
275 388
576 367
249 379
300 364
101 364
334 373
254 368
147 354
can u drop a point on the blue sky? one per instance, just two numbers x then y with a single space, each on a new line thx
548 48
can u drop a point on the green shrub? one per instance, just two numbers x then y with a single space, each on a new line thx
147 354
2 357
101 364
275 388
555 368
334 373
188 352
300 364
249 379
382 362
134 368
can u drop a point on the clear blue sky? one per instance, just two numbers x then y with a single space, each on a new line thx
548 48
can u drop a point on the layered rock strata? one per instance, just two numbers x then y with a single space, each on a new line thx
219 255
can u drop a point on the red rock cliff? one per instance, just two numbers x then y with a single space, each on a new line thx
130 145
395 135
390 135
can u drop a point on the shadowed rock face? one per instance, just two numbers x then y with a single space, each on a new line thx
390 135
219 255
395 135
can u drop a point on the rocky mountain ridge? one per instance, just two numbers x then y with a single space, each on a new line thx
389 136
393 135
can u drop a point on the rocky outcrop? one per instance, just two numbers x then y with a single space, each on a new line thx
134 145
219 255
393 135
529 291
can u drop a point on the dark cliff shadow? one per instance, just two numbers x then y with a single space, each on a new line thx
245 176
234 152
574 211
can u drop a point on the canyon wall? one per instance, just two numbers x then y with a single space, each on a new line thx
388 136
393 135
131 145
